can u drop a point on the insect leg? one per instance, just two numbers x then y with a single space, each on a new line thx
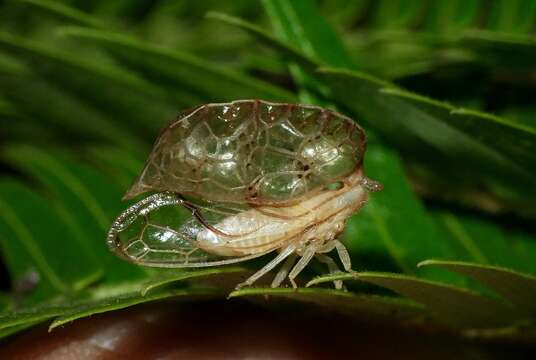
301 264
283 271
328 247
332 268
272 264
344 256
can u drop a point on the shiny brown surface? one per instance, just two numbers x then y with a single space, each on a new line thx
233 330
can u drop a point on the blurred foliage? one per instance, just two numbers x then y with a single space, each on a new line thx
442 87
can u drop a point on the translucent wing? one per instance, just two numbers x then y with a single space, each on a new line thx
252 152
162 230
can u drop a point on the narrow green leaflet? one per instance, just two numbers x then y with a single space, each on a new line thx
453 305
15 329
525 248
18 127
364 306
412 121
398 14
55 170
89 201
50 107
10 65
518 288
292 23
110 297
121 165
176 69
299 22
450 16
293 54
109 88
34 314
512 16
511 51
482 241
496 35
515 16
67 12
127 300
167 278
344 13
33 234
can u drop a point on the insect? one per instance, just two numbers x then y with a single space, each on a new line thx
235 181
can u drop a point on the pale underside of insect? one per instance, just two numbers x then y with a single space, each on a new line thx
236 181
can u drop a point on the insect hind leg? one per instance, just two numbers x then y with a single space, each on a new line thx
283 271
301 264
344 256
332 268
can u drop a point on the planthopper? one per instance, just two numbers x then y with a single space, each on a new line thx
235 181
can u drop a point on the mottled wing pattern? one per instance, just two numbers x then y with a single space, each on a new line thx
161 230
252 152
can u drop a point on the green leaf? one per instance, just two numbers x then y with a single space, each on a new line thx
33 234
15 329
88 199
67 12
110 297
171 277
121 165
411 121
364 306
516 287
67 311
110 88
11 66
175 69
453 305
512 16
525 249
451 15
501 50
292 53
32 315
481 241
344 13
300 25
396 14
299 22
127 300
40 102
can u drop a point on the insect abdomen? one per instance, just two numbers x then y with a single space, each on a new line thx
267 228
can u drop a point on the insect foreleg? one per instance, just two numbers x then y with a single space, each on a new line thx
283 271
332 268
272 264
301 264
